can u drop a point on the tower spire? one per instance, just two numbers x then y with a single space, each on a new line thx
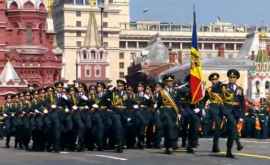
49 5
91 37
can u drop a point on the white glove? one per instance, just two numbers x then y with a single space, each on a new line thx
196 110
65 97
111 88
147 97
136 106
95 106
84 98
66 110
74 107
179 117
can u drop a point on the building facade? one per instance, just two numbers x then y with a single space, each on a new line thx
91 57
26 44
71 22
124 39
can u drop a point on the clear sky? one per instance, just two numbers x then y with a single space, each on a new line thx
251 12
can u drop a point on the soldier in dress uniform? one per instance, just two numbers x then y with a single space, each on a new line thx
26 118
233 99
79 126
57 103
169 112
142 114
118 97
189 117
157 125
214 96
9 122
102 100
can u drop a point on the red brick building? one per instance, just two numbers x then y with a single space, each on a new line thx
28 43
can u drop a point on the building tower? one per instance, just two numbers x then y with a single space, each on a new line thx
91 57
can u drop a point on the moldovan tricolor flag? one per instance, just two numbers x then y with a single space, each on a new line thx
195 81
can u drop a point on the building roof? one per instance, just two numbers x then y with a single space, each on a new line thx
251 45
9 74
92 39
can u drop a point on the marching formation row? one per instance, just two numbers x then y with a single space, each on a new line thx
77 117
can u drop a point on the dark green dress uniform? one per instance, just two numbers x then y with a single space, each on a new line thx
106 130
131 131
189 118
249 123
118 98
19 125
233 98
157 125
169 115
214 96
26 119
35 131
79 125
2 119
263 118
9 122
143 116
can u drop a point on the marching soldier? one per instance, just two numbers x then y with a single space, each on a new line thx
118 98
9 113
214 96
169 112
189 118
233 98
26 118
142 114
156 123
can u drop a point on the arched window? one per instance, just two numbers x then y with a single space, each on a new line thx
84 54
267 85
13 5
42 6
93 55
28 5
101 55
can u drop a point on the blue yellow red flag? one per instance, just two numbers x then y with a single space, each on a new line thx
196 80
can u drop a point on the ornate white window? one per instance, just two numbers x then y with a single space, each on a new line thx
101 55
93 55
84 54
